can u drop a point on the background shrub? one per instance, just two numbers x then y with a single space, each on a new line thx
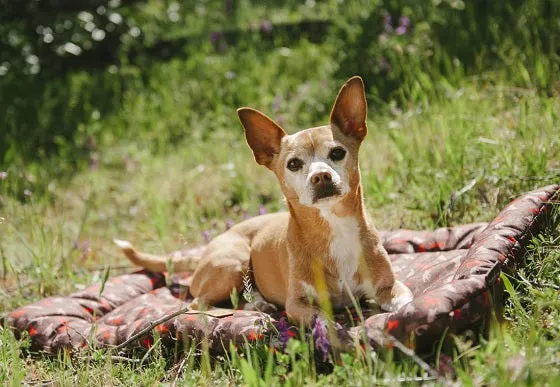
77 73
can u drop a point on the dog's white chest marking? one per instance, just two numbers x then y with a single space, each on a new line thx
345 248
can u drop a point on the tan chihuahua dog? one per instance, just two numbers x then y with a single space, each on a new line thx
324 244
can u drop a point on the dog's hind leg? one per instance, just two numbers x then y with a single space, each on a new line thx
221 268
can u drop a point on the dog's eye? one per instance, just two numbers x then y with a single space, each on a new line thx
337 153
295 164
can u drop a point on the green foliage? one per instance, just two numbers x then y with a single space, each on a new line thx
412 50
145 144
506 139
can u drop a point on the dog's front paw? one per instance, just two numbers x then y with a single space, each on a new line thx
396 303
401 295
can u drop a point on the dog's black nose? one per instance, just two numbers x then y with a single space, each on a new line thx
321 178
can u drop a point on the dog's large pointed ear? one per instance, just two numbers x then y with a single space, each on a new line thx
349 112
263 134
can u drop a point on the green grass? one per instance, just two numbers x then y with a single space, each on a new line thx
154 153
507 140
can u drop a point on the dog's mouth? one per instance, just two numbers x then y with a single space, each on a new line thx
324 191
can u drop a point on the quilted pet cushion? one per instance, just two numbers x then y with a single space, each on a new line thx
453 273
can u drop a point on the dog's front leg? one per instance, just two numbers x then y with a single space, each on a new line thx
300 311
390 293
393 297
301 302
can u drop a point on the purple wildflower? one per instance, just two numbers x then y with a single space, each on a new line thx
401 30
320 335
207 236
229 224
387 22
3 175
404 25
446 365
266 26
262 210
283 327
85 249
404 21
215 37
27 192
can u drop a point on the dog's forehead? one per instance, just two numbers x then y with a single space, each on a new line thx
309 139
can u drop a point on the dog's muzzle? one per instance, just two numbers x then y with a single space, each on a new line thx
325 190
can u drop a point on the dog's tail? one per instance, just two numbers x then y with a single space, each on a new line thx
178 262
